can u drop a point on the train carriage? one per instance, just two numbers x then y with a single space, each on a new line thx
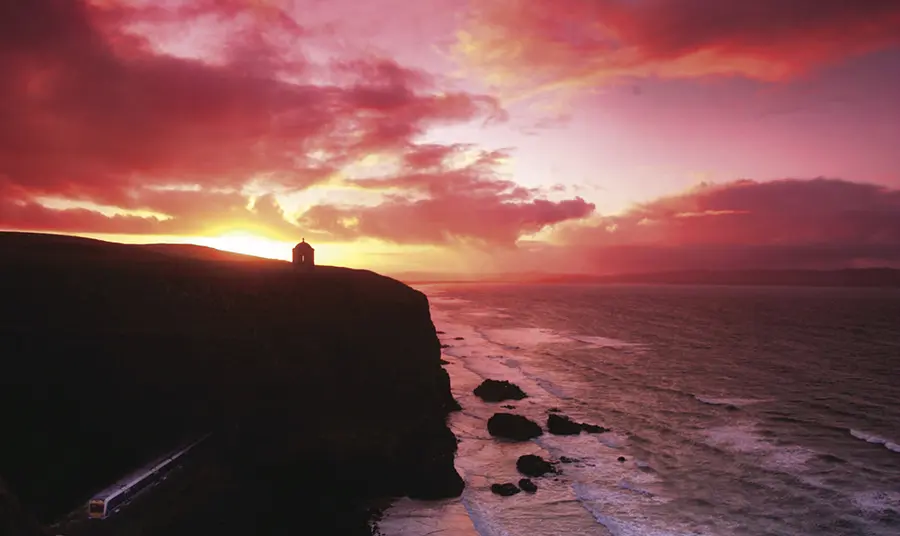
108 501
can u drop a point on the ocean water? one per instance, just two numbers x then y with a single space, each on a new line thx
740 411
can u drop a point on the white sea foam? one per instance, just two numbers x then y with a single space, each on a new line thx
736 402
606 342
745 439
524 338
532 338
878 440
618 509
875 502
488 314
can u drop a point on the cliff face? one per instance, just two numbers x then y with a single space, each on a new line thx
14 520
321 389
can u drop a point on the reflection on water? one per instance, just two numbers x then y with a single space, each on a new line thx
738 411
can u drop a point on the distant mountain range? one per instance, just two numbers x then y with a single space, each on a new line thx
855 277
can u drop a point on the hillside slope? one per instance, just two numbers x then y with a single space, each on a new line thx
320 388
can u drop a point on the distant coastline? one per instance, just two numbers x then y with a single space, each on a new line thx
851 277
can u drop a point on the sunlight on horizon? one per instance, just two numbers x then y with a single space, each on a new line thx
247 243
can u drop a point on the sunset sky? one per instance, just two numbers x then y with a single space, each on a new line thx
461 136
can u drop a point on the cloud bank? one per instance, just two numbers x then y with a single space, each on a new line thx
128 126
816 224
521 44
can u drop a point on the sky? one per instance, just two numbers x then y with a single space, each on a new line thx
480 137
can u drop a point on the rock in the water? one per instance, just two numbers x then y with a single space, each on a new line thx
515 427
566 459
593 428
458 338
533 465
440 332
621 458
505 490
562 425
445 346
508 406
553 410
498 391
527 485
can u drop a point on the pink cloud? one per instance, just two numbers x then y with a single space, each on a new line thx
92 112
443 204
820 223
586 41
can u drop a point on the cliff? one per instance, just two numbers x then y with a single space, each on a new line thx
323 390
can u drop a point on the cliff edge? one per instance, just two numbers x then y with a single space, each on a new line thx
323 391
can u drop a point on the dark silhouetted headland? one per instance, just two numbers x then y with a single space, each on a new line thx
323 390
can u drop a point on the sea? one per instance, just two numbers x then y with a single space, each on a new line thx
737 410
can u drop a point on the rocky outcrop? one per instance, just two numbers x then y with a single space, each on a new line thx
323 390
513 427
594 428
534 466
14 520
527 485
505 490
558 424
498 391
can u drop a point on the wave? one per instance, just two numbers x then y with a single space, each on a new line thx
875 439
531 338
481 520
736 402
626 519
606 342
877 501
748 440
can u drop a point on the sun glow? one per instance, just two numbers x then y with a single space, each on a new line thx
248 244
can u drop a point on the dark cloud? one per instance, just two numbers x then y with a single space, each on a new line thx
746 224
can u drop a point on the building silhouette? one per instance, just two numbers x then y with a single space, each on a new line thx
304 256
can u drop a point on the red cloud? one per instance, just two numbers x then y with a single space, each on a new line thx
92 112
785 224
460 204
590 40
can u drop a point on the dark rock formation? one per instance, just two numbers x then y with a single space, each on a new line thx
498 391
527 485
566 459
14 520
505 490
558 424
515 427
323 390
553 410
621 458
562 425
458 338
445 346
508 406
534 466
593 428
